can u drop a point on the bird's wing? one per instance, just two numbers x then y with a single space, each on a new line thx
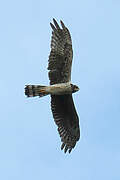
60 58
67 120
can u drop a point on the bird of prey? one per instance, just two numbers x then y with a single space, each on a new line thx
60 88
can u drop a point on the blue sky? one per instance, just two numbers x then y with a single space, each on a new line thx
30 144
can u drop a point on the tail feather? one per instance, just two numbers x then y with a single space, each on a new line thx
35 90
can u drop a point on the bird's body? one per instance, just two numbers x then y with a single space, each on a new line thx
60 89
55 89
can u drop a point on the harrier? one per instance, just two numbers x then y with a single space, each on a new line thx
60 88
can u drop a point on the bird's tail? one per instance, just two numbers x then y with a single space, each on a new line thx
34 90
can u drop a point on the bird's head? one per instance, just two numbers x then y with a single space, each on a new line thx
74 88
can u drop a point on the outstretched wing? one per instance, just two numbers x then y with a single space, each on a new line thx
60 59
67 120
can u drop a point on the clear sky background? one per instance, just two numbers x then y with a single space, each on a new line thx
29 141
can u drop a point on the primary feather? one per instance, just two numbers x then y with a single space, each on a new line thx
60 59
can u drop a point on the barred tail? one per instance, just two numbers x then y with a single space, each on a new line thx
34 90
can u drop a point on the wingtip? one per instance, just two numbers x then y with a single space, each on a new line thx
62 146
56 24
70 150
66 148
54 19
52 26
62 24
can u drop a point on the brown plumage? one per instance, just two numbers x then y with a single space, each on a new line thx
60 59
60 89
67 120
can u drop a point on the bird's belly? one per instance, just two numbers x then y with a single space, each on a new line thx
59 89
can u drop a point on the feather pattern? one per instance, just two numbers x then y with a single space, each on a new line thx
60 89
66 119
60 58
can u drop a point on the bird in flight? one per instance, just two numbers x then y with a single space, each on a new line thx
60 88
